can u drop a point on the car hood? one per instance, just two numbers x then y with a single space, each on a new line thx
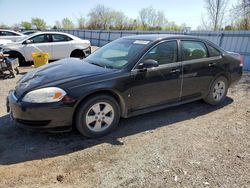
4 41
58 72
11 45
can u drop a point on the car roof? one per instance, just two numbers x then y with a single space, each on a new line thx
53 32
155 37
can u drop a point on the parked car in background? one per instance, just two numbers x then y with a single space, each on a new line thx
10 35
4 41
127 77
57 45
28 32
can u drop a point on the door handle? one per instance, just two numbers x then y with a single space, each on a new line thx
175 70
211 64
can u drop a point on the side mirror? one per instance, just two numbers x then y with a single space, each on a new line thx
149 63
28 41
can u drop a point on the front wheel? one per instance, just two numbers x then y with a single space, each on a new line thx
97 116
218 91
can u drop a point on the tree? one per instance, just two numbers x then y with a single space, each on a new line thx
100 17
152 19
67 23
81 22
26 25
58 24
215 13
241 12
38 23
119 20
3 26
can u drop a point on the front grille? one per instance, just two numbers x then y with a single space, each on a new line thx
33 123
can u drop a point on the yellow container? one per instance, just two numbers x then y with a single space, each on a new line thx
40 58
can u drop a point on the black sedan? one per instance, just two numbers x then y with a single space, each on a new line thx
127 77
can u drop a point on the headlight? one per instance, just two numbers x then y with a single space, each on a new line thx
44 95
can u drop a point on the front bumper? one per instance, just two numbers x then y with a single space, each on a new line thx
87 51
39 116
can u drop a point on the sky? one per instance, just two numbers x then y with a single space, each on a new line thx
179 11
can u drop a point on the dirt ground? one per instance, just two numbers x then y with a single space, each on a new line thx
193 145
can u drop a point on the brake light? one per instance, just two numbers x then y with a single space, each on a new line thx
241 61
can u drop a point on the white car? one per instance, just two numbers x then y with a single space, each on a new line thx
10 36
57 45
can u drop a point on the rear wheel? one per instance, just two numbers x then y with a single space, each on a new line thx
97 116
218 91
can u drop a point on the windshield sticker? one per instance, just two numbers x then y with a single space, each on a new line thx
141 42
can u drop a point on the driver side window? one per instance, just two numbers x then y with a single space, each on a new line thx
163 53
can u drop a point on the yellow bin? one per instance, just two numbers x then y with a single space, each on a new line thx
40 58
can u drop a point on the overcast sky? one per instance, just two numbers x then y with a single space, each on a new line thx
179 11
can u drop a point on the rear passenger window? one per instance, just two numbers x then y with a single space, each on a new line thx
193 50
213 52
60 38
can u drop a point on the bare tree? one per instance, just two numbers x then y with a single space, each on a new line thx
58 24
119 20
100 17
81 22
241 12
67 23
215 12
152 19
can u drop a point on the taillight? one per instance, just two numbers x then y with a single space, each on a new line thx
241 61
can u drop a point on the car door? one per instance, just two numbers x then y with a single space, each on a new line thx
199 69
159 85
38 43
61 46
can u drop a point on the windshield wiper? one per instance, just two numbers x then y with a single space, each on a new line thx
101 65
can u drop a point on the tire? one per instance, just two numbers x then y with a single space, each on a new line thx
21 60
218 91
92 120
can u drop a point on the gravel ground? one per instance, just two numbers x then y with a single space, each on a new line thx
193 145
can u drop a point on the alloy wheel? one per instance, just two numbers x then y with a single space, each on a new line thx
219 90
99 116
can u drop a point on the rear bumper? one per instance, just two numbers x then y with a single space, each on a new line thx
39 116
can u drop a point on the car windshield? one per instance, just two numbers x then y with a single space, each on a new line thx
117 54
23 38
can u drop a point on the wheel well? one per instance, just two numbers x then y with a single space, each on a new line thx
77 52
226 75
16 53
118 99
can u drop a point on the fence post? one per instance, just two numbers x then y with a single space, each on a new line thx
221 39
109 37
90 36
99 38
